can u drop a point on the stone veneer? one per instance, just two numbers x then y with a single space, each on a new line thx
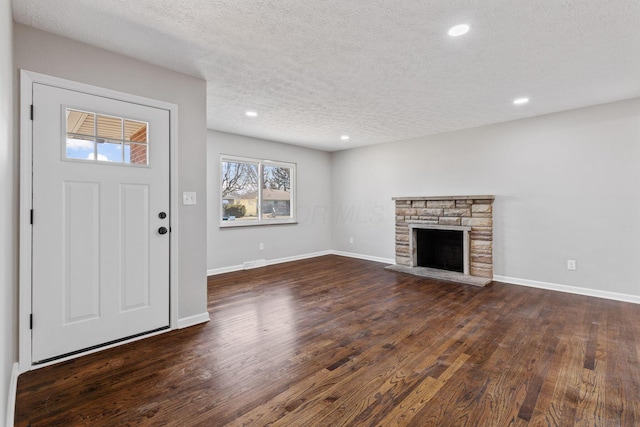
468 211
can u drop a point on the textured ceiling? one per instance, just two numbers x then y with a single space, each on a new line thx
375 70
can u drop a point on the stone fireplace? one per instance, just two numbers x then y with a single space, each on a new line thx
445 237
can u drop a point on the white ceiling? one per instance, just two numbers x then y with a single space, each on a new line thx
375 70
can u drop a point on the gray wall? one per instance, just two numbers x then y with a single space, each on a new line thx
8 210
232 246
60 57
566 187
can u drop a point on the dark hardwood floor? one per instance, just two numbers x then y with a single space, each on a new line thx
335 341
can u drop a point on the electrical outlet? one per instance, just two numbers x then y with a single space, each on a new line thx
571 264
261 246
350 239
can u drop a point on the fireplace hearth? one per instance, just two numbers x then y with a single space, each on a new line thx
445 237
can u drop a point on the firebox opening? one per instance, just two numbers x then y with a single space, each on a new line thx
441 249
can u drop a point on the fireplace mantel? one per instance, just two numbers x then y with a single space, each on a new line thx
473 214
455 198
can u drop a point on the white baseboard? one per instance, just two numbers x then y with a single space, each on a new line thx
298 257
569 289
185 322
11 398
239 267
365 257
511 280
222 270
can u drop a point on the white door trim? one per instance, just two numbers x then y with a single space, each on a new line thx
27 79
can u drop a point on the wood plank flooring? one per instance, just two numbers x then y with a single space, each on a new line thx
334 341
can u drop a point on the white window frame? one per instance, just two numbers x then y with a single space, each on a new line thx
260 220
95 161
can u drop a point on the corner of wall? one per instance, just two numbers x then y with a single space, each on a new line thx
8 217
11 398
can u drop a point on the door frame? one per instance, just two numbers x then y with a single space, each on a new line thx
27 80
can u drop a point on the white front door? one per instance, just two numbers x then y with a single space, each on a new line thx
100 242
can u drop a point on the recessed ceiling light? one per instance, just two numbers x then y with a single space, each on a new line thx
458 30
344 137
251 113
520 101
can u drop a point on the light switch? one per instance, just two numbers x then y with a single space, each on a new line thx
189 198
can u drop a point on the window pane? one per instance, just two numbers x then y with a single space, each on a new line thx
80 122
135 153
276 194
135 131
109 127
79 148
110 152
239 191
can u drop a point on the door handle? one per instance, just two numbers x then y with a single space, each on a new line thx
162 230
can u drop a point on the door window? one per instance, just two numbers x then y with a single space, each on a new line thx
102 138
